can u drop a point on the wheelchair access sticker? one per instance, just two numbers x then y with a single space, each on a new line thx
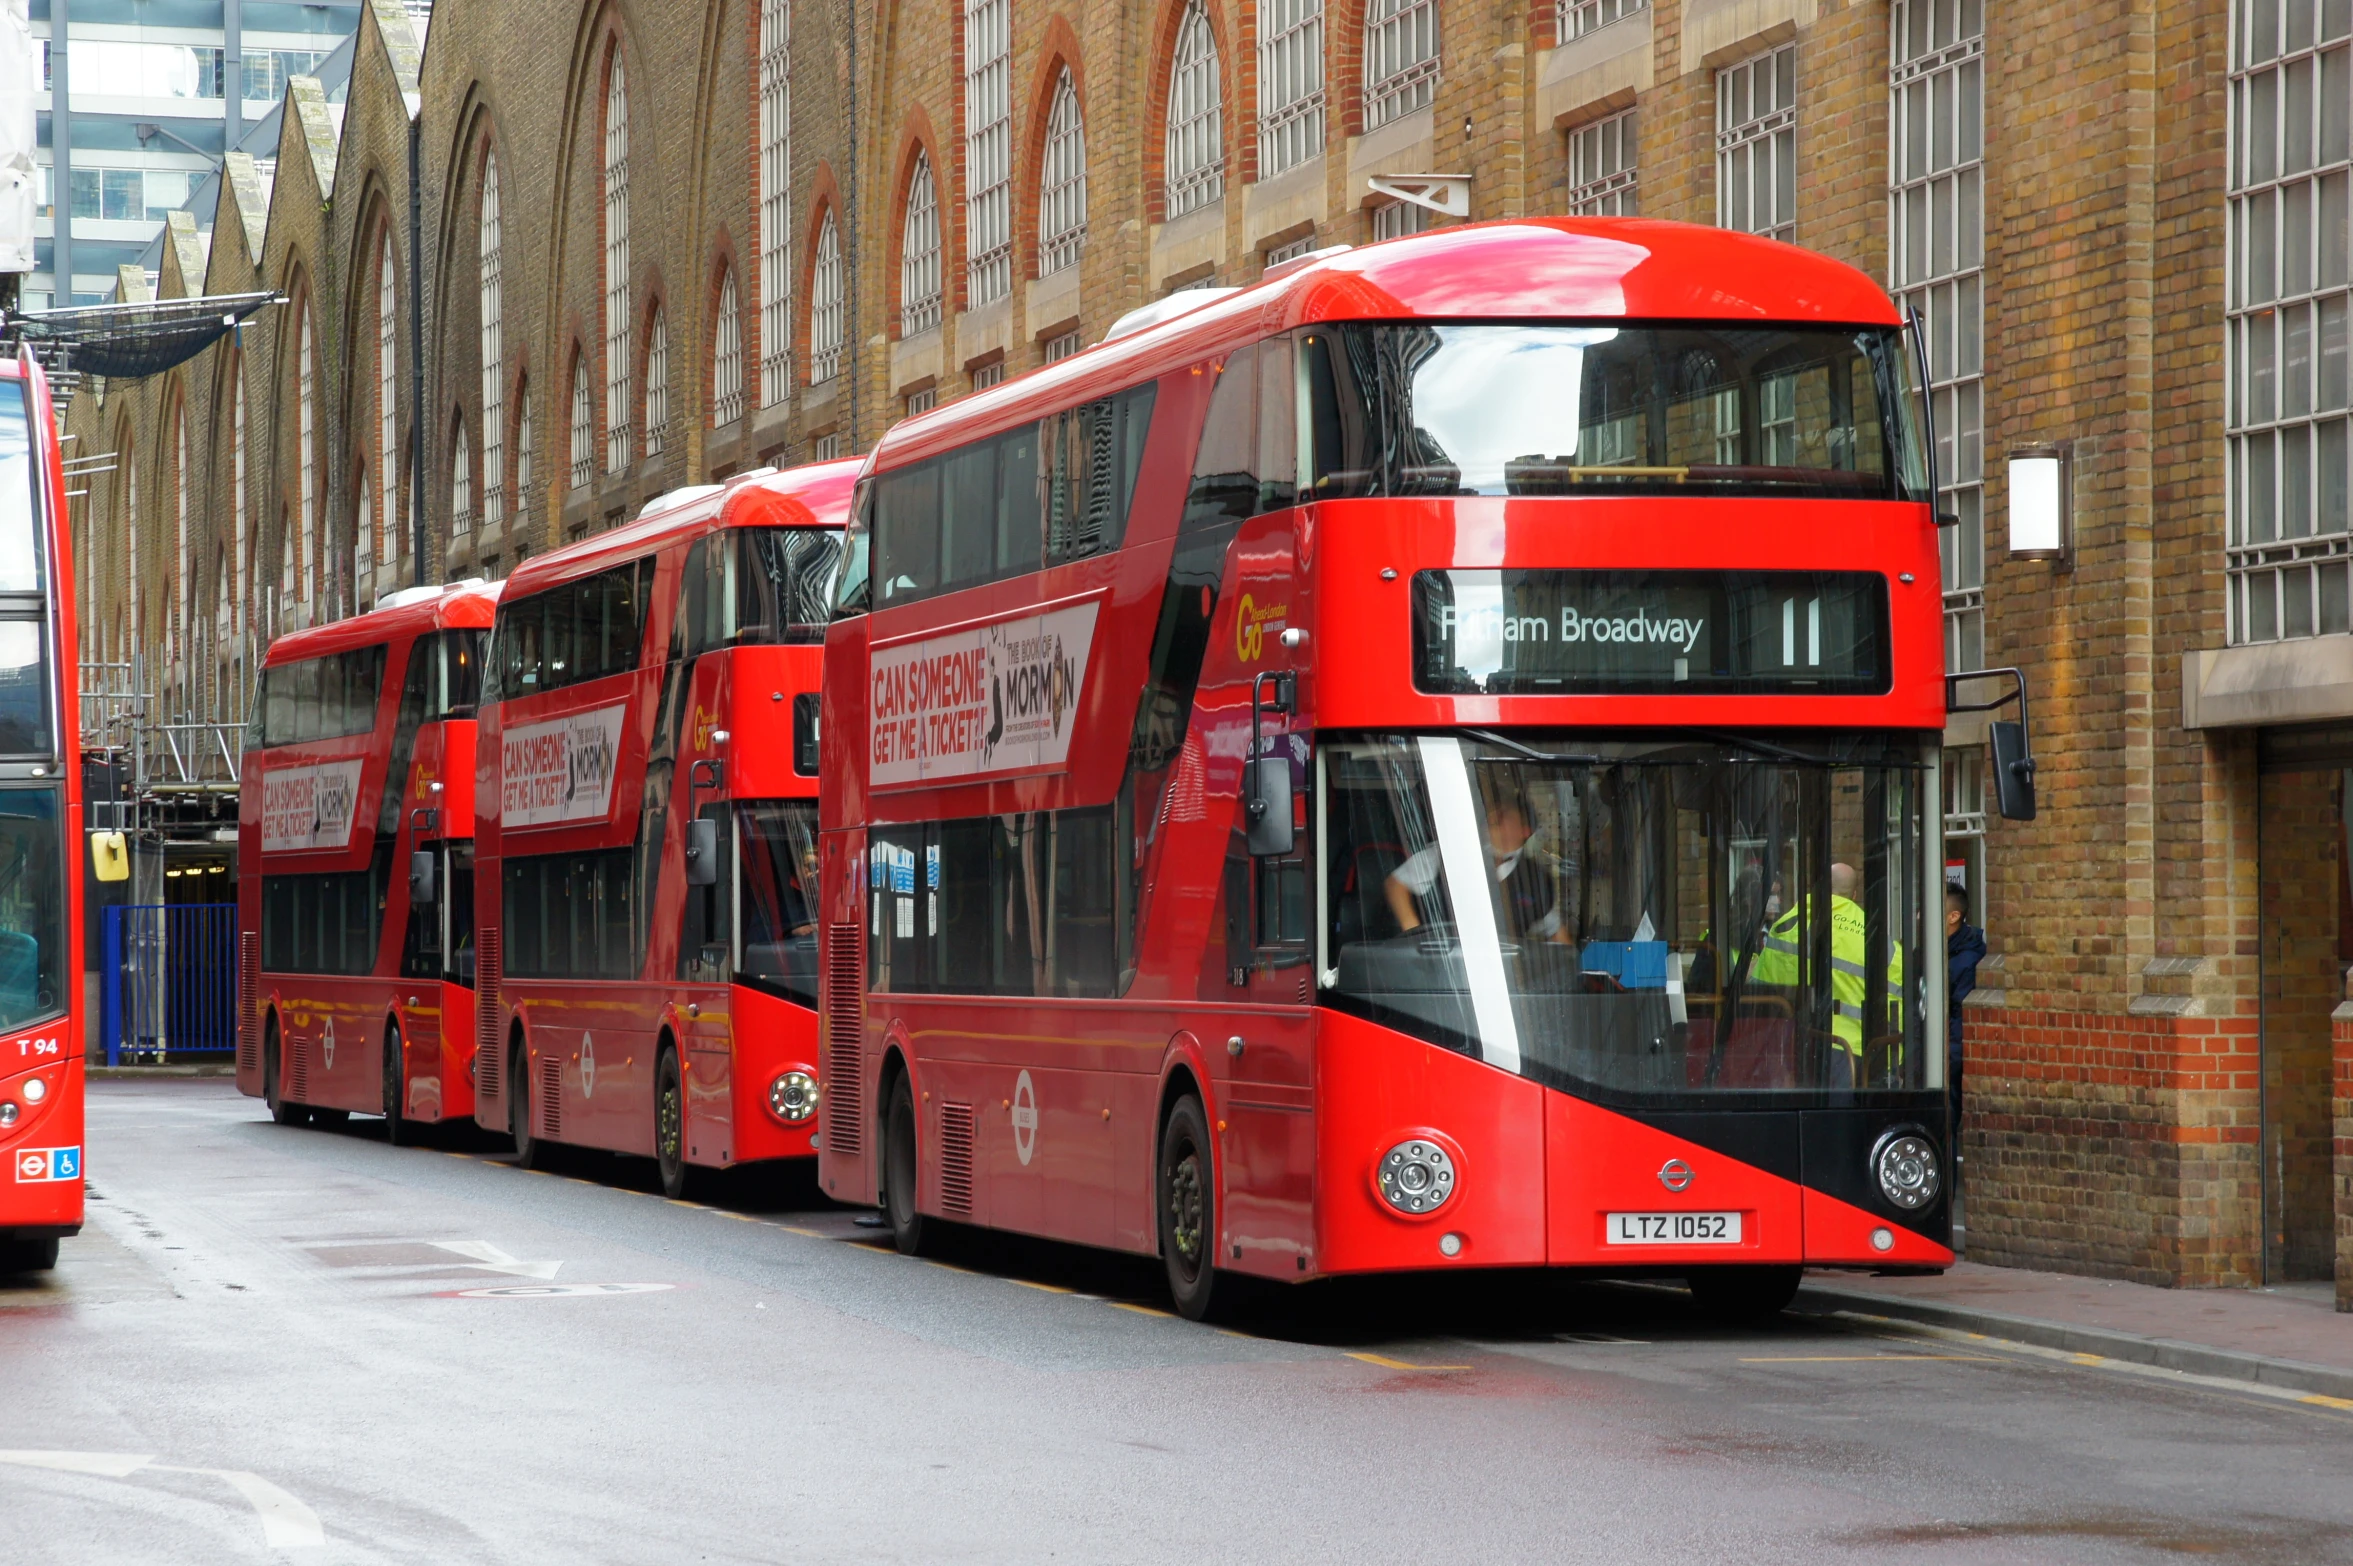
37 1164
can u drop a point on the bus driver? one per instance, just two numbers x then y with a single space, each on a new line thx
1527 907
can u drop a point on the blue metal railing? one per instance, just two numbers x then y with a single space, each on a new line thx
170 981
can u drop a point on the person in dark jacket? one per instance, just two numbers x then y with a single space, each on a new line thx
1964 947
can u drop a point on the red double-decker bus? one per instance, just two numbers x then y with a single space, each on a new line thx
355 826
41 1001
647 791
1429 762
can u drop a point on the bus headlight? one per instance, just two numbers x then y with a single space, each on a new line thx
1905 1162
1416 1177
35 1090
792 1097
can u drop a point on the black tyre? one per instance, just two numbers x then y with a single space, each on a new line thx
911 1232
330 1119
273 1091
1188 1213
670 1125
1743 1296
530 1151
399 1129
28 1255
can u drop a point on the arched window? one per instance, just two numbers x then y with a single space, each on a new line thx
307 435
919 254
988 149
387 464
1062 197
775 206
461 477
1196 117
494 376
526 441
825 305
657 384
285 567
363 528
1400 58
127 458
583 426
618 319
241 576
727 355
1290 84
182 554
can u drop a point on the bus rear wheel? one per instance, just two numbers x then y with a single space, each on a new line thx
1743 1296
670 1125
28 1255
273 1086
1188 1213
530 1151
911 1232
399 1130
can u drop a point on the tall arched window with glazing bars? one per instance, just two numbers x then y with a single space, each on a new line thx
775 202
241 576
1290 84
182 554
1400 58
657 383
386 543
1196 117
618 319
988 149
919 253
583 425
727 354
1062 196
825 305
493 290
461 476
301 546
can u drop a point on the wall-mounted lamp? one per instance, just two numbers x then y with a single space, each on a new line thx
2042 508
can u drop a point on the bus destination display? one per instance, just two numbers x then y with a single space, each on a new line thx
1499 633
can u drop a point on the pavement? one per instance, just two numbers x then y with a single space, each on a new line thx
277 1342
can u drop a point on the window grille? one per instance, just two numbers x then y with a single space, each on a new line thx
1396 219
1756 144
919 254
727 356
988 375
618 317
775 203
1936 267
1601 168
240 561
657 385
1061 348
1276 255
1290 84
2286 337
526 441
1576 18
923 401
1400 58
1196 123
583 430
363 528
461 480
493 287
306 397
825 306
1062 203
386 542
988 148
182 556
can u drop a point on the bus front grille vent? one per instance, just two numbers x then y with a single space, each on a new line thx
551 1097
845 1012
487 959
956 1160
248 992
298 1071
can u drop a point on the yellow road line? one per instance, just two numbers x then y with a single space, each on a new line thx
1141 1310
805 1233
1048 1288
1855 1359
1386 1363
2325 1401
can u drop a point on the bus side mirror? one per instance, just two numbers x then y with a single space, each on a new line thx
702 852
2013 770
422 888
1269 799
110 856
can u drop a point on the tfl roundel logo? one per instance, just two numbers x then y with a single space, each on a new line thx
1675 1174
35 1165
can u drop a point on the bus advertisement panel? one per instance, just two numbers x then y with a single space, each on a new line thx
42 1020
355 954
1429 762
647 785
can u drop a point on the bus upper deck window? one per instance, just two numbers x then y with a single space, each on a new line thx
20 534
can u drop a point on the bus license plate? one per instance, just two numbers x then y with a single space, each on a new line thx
1674 1228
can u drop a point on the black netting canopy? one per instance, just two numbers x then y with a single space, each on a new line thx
126 341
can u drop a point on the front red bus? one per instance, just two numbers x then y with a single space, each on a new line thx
647 787
355 982
1428 762
41 1003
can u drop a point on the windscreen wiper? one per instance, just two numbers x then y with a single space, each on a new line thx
1510 744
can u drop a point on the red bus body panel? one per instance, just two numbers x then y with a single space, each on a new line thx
1041 1115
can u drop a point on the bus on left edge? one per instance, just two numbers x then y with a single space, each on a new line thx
41 1004
355 862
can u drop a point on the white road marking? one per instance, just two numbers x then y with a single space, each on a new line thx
286 1524
556 1291
489 1258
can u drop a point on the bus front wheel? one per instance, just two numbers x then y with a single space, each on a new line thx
29 1255
909 1228
399 1129
1743 1296
670 1125
530 1151
1188 1213
273 1085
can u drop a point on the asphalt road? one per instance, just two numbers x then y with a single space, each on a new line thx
274 1343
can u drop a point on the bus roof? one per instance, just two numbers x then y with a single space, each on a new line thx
1592 269
814 495
457 606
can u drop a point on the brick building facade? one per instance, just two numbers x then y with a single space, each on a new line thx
662 243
